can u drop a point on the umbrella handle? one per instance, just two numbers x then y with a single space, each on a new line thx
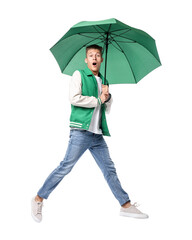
108 98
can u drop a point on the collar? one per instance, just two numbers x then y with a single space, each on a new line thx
89 73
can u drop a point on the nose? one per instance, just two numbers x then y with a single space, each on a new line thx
94 57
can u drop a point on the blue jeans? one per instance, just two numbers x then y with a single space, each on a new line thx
79 142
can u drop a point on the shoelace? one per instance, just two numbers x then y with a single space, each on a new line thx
39 207
136 204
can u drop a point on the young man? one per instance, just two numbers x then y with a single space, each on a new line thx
90 99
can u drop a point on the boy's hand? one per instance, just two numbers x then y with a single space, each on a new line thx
105 89
105 93
103 97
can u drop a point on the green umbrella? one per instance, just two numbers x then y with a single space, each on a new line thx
129 54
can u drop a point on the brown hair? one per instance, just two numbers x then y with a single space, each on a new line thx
94 46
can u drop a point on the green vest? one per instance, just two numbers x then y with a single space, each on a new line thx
81 117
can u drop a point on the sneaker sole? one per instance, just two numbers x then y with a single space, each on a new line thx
140 216
36 219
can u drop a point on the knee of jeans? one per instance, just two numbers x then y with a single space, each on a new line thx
64 168
109 171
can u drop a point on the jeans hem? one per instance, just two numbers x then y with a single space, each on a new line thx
125 202
41 196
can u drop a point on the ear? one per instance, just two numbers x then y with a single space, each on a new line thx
85 60
101 59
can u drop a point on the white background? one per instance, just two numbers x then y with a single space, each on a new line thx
150 124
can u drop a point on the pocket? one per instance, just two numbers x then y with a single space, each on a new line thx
71 132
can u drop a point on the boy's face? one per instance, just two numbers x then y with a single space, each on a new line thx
94 60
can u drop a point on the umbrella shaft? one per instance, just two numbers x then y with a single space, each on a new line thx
106 43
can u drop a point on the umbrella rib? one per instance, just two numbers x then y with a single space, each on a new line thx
64 38
116 47
149 52
98 31
121 30
127 60
123 37
125 42
99 42
101 28
137 43
88 36
77 52
120 33
99 38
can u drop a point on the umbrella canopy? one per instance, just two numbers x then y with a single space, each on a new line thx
129 54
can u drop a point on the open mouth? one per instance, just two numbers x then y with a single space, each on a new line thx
94 64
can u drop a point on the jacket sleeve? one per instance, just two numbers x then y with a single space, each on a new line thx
75 93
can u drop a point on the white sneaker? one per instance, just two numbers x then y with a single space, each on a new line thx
36 210
132 211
